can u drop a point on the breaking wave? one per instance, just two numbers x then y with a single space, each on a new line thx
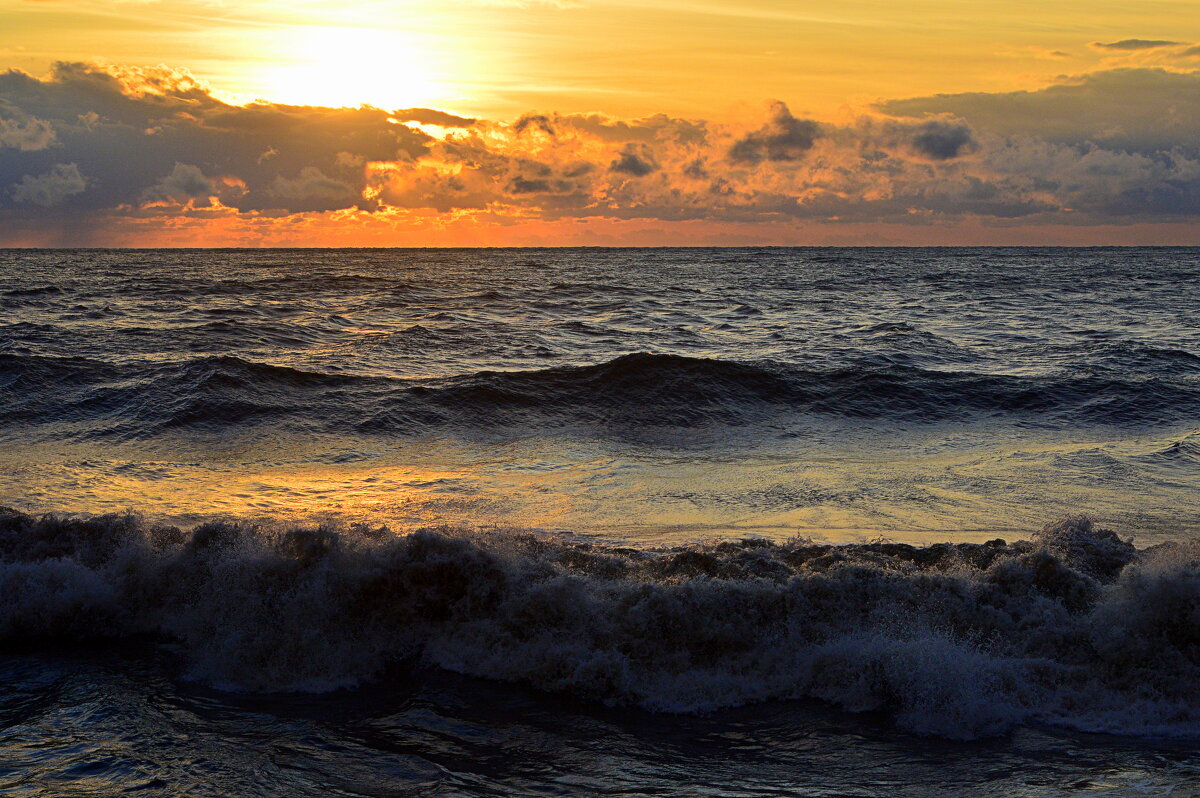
635 390
1075 627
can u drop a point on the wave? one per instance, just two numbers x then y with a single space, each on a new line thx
635 390
306 282
141 400
1181 453
1075 627
1124 356
33 291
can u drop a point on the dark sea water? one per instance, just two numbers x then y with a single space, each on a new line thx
724 522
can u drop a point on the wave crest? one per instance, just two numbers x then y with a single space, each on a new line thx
631 392
1075 627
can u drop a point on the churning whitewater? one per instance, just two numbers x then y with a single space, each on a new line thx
1075 627
579 522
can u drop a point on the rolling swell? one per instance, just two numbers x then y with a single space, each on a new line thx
640 389
1075 628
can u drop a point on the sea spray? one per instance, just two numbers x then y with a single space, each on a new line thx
1075 627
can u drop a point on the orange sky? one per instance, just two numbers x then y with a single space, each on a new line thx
924 121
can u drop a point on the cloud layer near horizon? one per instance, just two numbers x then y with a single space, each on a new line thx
87 149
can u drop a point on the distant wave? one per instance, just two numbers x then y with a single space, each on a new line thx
635 390
1075 627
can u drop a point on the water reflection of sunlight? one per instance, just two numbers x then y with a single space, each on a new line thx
402 496
963 492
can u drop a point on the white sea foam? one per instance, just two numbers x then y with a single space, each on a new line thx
1075 628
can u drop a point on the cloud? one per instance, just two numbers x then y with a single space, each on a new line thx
430 116
783 138
936 140
539 122
942 141
126 129
28 134
106 148
1136 44
1136 110
49 189
635 161
185 182
313 190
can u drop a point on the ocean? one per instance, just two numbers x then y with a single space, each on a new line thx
671 522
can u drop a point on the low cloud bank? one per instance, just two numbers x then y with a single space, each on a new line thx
89 143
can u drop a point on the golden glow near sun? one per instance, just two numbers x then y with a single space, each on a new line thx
501 58
504 122
344 66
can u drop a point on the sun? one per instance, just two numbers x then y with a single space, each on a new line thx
351 66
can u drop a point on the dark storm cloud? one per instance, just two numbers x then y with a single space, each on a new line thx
541 185
635 161
1136 44
521 185
942 141
883 142
783 138
87 138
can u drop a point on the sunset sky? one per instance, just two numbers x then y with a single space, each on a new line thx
210 122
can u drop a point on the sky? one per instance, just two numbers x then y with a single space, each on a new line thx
565 122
